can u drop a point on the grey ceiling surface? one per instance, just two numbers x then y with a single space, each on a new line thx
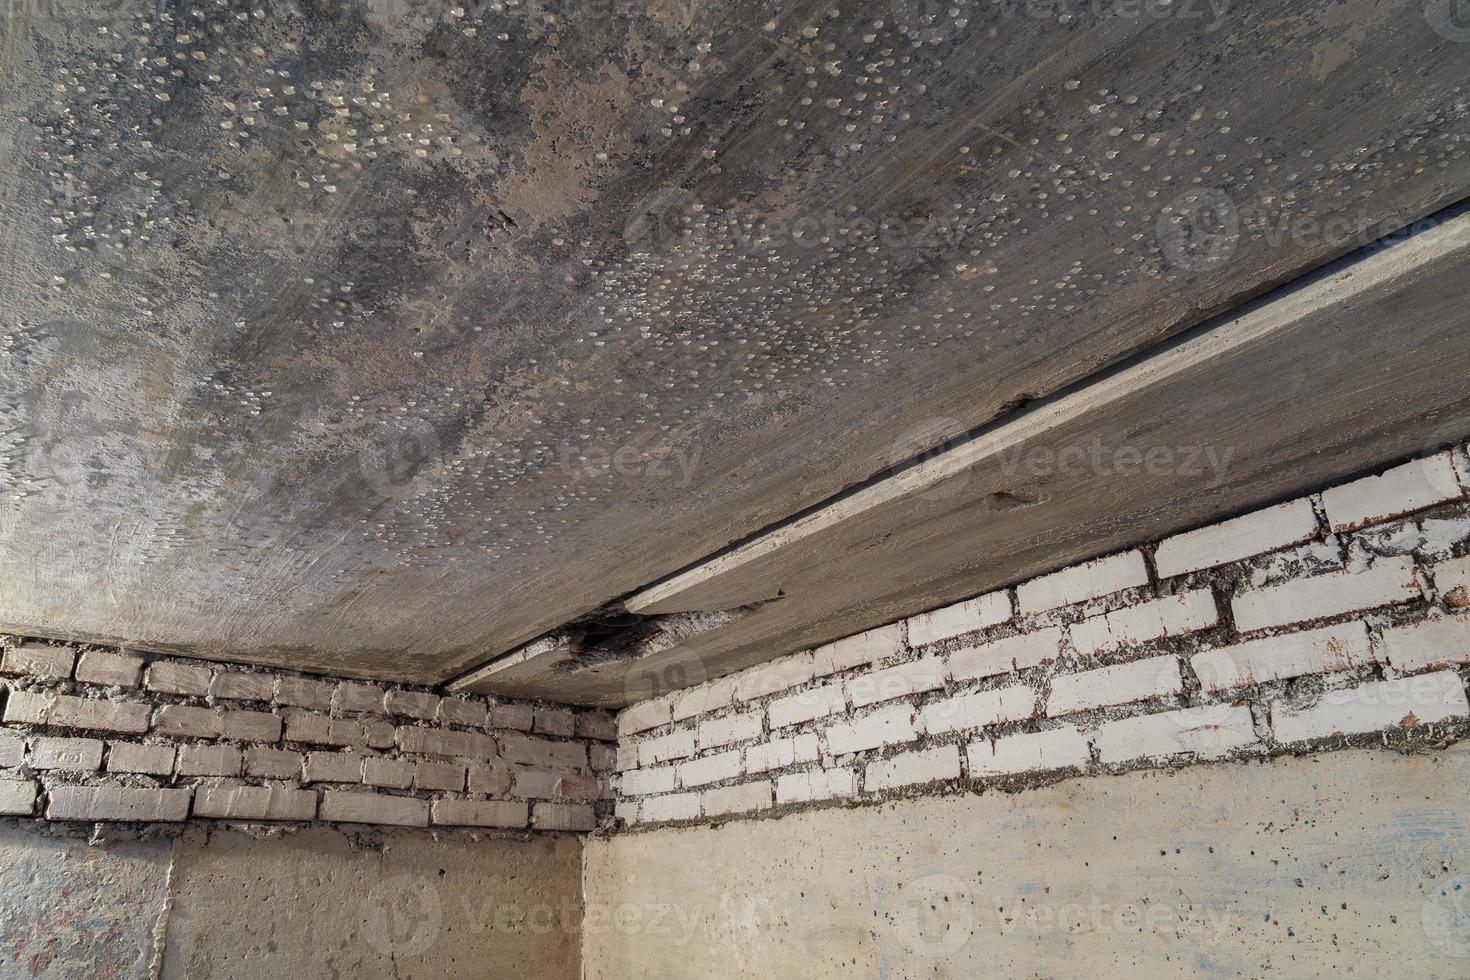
379 339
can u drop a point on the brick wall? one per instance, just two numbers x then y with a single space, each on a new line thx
1336 619
95 734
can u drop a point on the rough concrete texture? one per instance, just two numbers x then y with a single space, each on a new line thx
1352 863
231 904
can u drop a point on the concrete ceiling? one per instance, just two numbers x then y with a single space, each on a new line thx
382 339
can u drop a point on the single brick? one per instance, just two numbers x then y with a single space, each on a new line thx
1091 580
1318 651
272 763
412 704
346 806
600 725
1432 643
602 756
1003 656
548 785
117 803
107 667
243 685
778 675
12 749
914 677
481 813
444 741
977 709
79 754
392 773
858 651
643 716
1401 490
379 733
1141 680
646 782
1388 582
675 745
462 711
1175 615
190 722
319 729
511 717
209 760
817 702
627 756
64 711
250 726
237 802
355 696
1059 748
1418 700
1452 579
554 721
909 768
962 617
563 816
678 806
431 774
816 784
1207 733
888 726
1256 533
527 750
731 728
490 777
781 752
18 797
740 798
704 699
39 660
712 769
171 677
626 811
305 692
332 767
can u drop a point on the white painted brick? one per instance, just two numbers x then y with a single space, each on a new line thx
1389 581
678 806
816 784
242 685
1141 680
962 617
153 760
110 668
888 726
1175 615
116 803
1207 732
1091 580
1452 579
817 702
675 745
1056 749
977 709
712 769
704 699
12 749
1421 699
1256 533
1401 490
1432 643
644 715
778 675
208 760
528 750
79 754
391 773
18 797
909 768
236 802
1317 651
741 798
170 677
481 813
627 756
346 806
858 650
1002 656
64 711
914 677
731 728
646 782
781 752
574 817
39 660
627 810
